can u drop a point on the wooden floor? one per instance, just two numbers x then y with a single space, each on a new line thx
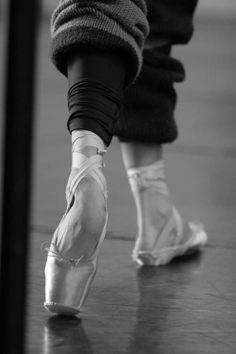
189 306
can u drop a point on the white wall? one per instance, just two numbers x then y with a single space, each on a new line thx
49 5
217 7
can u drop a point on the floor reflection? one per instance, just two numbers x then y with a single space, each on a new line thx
158 293
65 335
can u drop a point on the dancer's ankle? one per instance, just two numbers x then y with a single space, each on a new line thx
152 199
83 142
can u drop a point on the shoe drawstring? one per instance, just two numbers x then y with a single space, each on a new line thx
151 176
46 246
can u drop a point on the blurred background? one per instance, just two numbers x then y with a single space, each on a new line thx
210 7
205 113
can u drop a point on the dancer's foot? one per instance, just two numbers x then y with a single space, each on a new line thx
162 233
72 256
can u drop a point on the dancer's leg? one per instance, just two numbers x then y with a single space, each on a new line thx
103 70
148 121
136 154
162 233
90 41
152 207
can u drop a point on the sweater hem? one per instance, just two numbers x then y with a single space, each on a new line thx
79 38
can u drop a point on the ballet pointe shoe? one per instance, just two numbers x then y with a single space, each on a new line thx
161 254
68 280
178 237
67 283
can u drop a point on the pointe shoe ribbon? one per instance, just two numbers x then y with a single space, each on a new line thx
145 177
90 166
68 280
169 243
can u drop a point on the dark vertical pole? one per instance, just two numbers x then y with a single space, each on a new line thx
18 129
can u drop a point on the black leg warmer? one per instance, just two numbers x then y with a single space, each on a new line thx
93 106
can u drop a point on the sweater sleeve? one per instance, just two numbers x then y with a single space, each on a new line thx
117 25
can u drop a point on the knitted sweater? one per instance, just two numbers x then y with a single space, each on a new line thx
117 25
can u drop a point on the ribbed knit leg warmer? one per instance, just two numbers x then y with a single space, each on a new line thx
119 26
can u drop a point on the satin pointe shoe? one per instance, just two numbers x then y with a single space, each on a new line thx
177 238
68 280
